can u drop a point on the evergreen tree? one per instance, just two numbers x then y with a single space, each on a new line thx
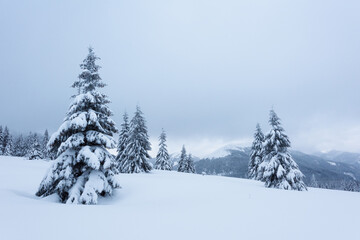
189 165
256 154
84 169
35 150
182 161
136 154
28 145
162 157
8 151
349 185
19 147
5 139
313 182
278 168
51 153
45 141
1 140
123 142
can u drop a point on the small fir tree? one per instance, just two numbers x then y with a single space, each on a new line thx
8 151
278 167
313 182
18 146
44 143
136 156
84 169
1 140
256 154
182 161
123 142
5 139
162 157
35 151
189 165
28 142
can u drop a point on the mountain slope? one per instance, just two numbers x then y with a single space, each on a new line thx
343 157
171 205
235 164
225 151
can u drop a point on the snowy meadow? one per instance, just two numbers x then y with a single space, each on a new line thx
132 120
172 205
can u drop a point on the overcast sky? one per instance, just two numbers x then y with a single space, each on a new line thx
205 71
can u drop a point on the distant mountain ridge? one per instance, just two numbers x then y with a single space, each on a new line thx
339 156
232 160
225 151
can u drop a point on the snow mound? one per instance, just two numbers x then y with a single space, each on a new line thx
171 205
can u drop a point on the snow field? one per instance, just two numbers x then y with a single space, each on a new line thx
172 205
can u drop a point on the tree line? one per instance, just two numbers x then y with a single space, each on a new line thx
31 146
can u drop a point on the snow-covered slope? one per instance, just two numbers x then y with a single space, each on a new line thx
172 205
339 156
225 151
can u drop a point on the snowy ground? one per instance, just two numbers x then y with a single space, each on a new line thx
171 205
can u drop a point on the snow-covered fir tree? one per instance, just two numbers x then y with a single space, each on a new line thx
162 157
278 168
313 181
51 154
8 151
189 165
1 140
256 153
28 143
136 156
84 169
18 146
182 160
123 142
44 143
5 139
35 150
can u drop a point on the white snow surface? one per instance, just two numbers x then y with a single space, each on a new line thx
224 151
332 163
172 205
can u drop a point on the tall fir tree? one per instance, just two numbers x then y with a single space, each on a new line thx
182 161
84 169
123 142
278 168
162 157
256 154
136 154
